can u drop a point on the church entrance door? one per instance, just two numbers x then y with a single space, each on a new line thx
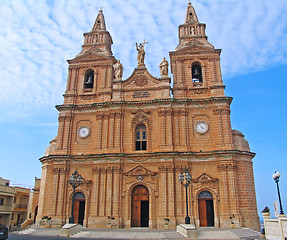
79 208
206 210
140 207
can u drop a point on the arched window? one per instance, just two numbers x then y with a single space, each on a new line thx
196 73
141 138
89 79
79 195
205 194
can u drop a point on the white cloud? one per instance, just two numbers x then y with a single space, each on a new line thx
38 36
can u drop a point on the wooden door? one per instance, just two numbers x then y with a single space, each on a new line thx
76 211
202 212
139 196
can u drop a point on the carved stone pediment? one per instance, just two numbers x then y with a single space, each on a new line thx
140 170
141 111
141 78
195 46
91 54
203 178
141 116
204 181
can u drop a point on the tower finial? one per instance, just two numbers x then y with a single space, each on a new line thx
100 21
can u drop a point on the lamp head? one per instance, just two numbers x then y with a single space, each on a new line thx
181 178
276 175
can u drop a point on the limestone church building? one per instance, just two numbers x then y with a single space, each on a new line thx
131 138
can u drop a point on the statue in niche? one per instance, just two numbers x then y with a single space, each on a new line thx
192 31
95 38
118 68
163 67
141 53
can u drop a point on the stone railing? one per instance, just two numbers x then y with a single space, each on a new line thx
275 229
26 224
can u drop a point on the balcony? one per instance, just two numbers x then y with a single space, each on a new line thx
20 206
5 209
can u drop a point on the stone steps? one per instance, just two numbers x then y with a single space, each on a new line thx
216 234
246 233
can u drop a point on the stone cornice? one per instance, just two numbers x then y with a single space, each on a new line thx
194 156
65 107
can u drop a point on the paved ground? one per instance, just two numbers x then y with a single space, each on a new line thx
135 233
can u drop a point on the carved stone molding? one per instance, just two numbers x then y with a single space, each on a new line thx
63 118
221 111
99 116
182 112
140 117
112 115
106 169
118 114
56 170
171 168
141 111
204 181
226 167
141 80
99 169
198 91
140 170
194 42
86 97
162 113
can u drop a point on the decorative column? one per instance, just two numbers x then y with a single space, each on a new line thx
162 191
162 131
183 128
111 130
102 191
227 184
168 124
109 196
105 131
95 192
176 127
56 179
99 130
171 191
116 191
118 130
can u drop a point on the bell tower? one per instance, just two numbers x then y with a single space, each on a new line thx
99 37
91 71
195 64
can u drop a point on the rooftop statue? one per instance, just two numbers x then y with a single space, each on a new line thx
118 67
141 53
163 67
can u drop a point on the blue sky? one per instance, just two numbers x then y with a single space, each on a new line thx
37 37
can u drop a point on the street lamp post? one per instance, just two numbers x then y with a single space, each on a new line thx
185 180
276 176
75 180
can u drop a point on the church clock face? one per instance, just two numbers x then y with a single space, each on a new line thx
84 132
201 127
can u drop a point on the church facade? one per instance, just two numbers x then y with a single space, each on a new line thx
130 140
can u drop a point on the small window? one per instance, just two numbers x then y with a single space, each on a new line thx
89 79
196 74
15 199
205 194
141 137
1 201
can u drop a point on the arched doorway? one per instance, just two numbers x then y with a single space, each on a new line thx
206 210
140 207
36 212
79 207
